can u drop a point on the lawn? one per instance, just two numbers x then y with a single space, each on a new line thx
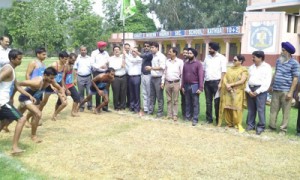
121 145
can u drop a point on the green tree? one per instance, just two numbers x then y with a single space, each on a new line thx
190 14
137 23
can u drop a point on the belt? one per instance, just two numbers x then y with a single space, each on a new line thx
119 76
84 75
213 80
155 76
134 75
254 86
175 81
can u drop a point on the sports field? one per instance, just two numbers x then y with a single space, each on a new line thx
121 145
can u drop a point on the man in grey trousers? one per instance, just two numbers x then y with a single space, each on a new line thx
157 69
83 68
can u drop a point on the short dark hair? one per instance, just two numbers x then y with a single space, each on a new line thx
127 44
73 55
155 44
147 42
185 49
50 71
259 54
40 50
13 54
174 49
116 46
240 58
109 70
194 51
63 54
2 38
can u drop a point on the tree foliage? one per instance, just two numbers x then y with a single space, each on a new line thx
54 24
137 23
191 14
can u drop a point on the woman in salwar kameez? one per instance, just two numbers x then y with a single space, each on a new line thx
232 94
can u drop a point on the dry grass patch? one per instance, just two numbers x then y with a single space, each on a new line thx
123 146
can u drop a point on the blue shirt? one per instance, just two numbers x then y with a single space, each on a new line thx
147 61
284 74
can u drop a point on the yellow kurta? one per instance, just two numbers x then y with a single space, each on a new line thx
232 102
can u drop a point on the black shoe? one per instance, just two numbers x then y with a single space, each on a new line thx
81 109
159 115
208 122
145 112
259 132
90 108
194 123
271 128
106 110
250 129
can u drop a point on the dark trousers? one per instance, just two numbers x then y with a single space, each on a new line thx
192 103
128 93
156 92
298 120
182 105
210 89
119 87
98 98
134 85
256 105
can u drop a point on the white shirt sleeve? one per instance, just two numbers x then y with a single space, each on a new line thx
267 79
223 64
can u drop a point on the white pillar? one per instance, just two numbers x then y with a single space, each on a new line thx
207 41
227 41
160 45
173 43
189 42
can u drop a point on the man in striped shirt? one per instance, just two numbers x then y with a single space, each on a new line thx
283 85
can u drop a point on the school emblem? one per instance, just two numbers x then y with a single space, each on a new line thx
262 36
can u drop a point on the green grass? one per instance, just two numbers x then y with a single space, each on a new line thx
21 70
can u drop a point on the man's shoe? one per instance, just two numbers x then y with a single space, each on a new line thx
259 132
145 112
159 115
250 129
90 108
194 123
208 122
81 110
272 129
106 110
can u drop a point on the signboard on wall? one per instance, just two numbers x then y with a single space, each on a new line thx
262 36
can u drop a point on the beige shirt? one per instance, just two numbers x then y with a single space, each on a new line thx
173 70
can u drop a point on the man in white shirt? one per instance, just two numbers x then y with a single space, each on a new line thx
119 85
157 69
83 68
171 79
127 55
100 65
4 50
134 65
215 67
260 77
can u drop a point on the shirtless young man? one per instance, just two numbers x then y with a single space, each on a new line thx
36 88
69 84
8 112
59 67
100 85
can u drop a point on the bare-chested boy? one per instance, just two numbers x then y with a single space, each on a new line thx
36 88
8 112
69 84
59 67
100 85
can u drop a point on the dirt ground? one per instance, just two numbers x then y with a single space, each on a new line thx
123 146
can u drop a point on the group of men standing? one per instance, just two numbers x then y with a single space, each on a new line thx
129 72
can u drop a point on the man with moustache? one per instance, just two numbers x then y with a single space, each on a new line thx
127 54
260 76
99 65
283 85
215 67
192 85
146 75
119 85
4 50
83 69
